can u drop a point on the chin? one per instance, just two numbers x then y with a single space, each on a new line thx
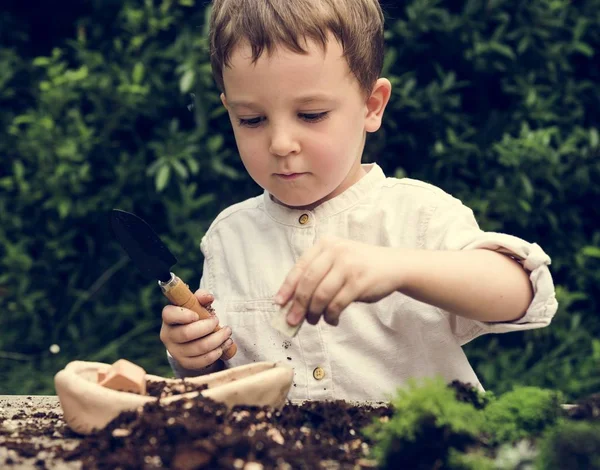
295 202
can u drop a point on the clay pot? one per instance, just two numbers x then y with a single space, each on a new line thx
88 406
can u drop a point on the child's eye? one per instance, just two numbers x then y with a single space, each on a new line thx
252 122
313 117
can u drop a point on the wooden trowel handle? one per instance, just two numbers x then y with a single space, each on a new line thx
180 294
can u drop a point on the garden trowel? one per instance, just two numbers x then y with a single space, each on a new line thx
154 260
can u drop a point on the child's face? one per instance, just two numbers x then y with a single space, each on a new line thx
304 116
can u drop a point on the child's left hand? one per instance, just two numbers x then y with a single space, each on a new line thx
334 273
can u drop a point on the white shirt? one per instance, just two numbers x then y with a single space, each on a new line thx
251 247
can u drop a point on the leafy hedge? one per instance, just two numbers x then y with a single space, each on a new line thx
113 105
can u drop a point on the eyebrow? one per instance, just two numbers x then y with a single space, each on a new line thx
299 100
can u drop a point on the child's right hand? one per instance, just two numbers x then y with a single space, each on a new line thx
190 341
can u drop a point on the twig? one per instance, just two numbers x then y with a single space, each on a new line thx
15 356
96 286
106 351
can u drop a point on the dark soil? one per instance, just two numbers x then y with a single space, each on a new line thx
200 433
468 394
164 389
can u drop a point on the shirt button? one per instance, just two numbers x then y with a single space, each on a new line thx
318 373
303 219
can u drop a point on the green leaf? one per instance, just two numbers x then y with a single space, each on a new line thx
41 61
594 138
19 170
64 207
215 143
524 205
162 177
193 165
187 80
527 186
138 73
180 169
591 251
502 49
584 49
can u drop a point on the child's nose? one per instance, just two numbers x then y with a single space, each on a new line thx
283 142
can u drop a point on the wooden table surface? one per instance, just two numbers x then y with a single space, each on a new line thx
23 408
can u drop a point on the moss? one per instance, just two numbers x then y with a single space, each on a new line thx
427 422
523 412
521 455
570 444
469 461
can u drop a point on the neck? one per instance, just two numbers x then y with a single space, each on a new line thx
354 175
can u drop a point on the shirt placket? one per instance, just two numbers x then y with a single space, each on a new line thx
317 376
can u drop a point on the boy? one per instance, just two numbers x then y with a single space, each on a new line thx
398 270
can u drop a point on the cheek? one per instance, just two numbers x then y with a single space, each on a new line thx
252 155
337 148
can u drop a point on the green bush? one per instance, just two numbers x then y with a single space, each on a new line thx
496 102
520 413
428 422
433 427
571 444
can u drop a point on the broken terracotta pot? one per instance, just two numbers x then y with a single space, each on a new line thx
88 406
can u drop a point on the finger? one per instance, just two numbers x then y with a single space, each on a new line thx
205 344
345 296
173 315
307 285
205 360
326 291
313 318
204 297
200 362
192 331
289 284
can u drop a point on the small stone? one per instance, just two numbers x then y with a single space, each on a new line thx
10 426
253 466
276 436
241 415
120 432
367 463
153 460
238 463
329 464
355 444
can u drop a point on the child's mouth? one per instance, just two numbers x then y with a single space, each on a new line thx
290 176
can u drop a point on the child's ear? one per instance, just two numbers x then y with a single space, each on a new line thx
224 101
376 104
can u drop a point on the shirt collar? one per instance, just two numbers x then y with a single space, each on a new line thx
285 215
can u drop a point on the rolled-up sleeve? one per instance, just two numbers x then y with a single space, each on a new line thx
452 226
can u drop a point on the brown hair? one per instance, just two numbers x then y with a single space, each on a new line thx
265 24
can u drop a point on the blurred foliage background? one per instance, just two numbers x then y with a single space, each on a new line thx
111 104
